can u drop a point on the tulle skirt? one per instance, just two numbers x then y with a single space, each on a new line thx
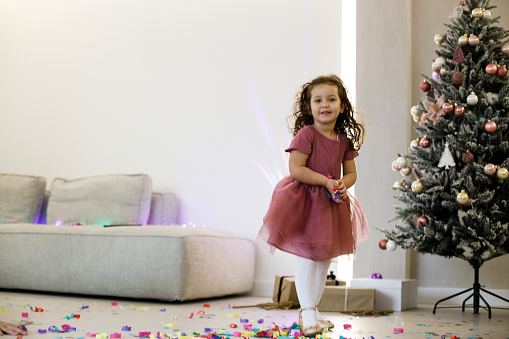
304 221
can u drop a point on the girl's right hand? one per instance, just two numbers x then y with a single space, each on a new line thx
331 183
13 328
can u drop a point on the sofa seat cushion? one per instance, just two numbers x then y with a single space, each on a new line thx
100 200
21 197
157 262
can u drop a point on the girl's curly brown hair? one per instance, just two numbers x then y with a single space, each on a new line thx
345 122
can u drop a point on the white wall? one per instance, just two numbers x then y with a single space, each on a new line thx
194 93
383 95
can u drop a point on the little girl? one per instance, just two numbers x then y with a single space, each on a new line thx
311 214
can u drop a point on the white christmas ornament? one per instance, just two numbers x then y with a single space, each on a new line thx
440 62
486 14
446 160
401 162
415 111
391 245
472 99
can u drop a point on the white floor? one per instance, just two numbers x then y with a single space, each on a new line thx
98 315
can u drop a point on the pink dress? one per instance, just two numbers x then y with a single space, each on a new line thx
301 218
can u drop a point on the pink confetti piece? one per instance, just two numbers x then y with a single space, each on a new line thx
191 316
115 335
144 334
92 335
347 326
114 303
398 330
237 334
24 314
248 327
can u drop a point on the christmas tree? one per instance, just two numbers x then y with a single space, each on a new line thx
458 205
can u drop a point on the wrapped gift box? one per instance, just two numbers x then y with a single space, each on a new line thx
342 298
391 294
284 289
335 282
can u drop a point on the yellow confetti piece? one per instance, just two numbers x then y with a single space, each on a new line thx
248 334
101 336
142 308
3 310
168 325
233 315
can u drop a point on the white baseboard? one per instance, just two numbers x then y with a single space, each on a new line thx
426 295
262 289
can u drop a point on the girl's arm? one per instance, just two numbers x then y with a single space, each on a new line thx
349 176
299 171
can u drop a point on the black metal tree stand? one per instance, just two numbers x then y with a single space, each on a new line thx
476 294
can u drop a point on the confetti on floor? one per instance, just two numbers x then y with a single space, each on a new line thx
84 317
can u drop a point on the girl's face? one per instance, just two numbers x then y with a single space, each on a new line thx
325 105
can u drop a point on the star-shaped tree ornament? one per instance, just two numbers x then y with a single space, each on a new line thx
434 111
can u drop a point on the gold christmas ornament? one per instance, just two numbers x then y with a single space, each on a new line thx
463 40
504 49
417 186
502 173
477 13
414 144
439 38
462 197
397 185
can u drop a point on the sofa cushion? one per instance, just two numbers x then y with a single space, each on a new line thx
100 200
163 209
157 262
21 198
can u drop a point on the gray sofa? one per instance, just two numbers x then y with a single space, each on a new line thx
140 253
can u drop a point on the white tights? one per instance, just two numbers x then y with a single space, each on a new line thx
310 278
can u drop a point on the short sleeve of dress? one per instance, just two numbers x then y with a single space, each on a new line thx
349 153
303 141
